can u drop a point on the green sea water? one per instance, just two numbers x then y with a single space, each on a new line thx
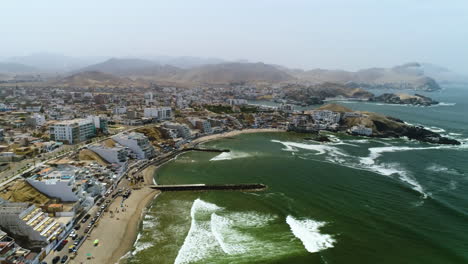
355 200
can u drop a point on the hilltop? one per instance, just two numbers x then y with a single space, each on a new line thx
406 76
93 78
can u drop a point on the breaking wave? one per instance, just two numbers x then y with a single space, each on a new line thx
308 232
200 241
212 233
216 233
230 155
369 163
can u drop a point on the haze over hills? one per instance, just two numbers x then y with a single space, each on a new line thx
49 62
234 73
134 68
187 71
93 78
406 76
8 68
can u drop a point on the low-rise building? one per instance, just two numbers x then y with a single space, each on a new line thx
361 130
326 116
30 225
161 113
57 183
116 154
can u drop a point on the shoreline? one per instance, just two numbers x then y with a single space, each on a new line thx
122 247
235 133
117 233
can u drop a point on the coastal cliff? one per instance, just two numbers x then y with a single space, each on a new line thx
417 99
385 126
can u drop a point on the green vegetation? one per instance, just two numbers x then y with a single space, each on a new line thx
219 109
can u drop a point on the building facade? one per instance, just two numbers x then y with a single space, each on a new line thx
73 131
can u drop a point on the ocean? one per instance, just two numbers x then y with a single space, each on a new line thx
354 200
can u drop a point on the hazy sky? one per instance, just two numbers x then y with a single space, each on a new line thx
348 34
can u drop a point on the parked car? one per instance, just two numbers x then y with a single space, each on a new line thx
77 227
56 259
64 259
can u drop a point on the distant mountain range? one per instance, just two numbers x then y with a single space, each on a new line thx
9 68
189 71
406 76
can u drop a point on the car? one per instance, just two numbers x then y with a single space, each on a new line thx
64 259
77 227
56 259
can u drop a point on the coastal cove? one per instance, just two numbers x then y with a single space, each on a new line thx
351 199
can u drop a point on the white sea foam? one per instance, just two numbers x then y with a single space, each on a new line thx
141 246
455 134
200 241
250 219
435 129
444 104
320 148
214 232
361 141
230 240
308 232
439 168
147 224
230 155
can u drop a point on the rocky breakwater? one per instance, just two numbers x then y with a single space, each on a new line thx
391 98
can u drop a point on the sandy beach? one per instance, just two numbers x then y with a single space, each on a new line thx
116 233
235 133
148 174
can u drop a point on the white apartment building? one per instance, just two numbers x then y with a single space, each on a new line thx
120 110
237 101
23 220
162 113
138 143
361 130
36 120
182 129
73 131
326 116
116 154
59 184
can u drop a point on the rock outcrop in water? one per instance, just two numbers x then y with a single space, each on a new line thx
384 126
391 98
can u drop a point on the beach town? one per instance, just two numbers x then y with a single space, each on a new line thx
76 168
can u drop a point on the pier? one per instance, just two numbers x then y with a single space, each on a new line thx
252 187
208 150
